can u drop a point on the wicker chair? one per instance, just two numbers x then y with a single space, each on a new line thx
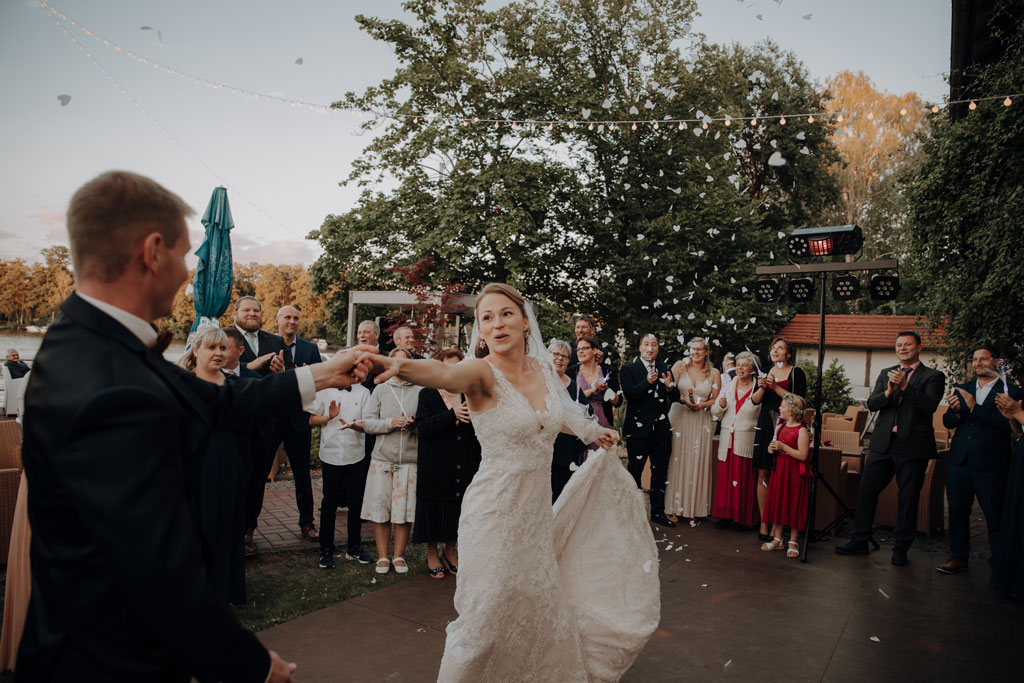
10 478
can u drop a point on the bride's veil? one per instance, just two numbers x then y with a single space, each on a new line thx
574 415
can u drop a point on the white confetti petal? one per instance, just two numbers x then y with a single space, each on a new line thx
875 639
776 159
801 136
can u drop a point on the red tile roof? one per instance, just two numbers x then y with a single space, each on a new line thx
853 331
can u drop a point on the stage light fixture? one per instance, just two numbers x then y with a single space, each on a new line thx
885 287
766 291
845 287
829 241
801 289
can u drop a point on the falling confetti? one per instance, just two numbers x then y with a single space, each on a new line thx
807 17
299 61
159 35
776 159
886 595
875 639
64 99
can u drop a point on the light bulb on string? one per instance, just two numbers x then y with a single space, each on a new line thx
782 121
633 127
1007 102
682 126
839 118
572 124
476 119
973 105
655 125
533 126
704 126
551 126
753 122
810 119
591 126
903 112
871 115
935 109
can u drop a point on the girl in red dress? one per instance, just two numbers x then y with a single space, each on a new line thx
789 485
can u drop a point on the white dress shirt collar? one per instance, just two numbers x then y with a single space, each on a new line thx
134 324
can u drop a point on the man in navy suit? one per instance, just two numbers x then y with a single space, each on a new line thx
979 458
293 428
264 352
650 392
905 397
232 357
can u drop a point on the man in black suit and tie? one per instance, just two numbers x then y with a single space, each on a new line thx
293 428
979 458
263 352
119 586
905 396
233 355
650 392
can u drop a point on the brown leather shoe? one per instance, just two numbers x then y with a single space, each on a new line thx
249 544
309 532
952 566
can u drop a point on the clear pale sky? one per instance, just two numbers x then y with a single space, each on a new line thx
282 164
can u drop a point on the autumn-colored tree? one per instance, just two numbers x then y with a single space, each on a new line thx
878 136
14 275
432 317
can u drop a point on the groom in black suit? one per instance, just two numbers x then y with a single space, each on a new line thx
650 392
906 397
113 438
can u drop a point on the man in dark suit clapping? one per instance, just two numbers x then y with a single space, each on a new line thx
119 586
905 396
650 392
293 428
979 458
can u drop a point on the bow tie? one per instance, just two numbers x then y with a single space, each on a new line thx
163 340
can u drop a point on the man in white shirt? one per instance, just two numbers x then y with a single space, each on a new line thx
344 464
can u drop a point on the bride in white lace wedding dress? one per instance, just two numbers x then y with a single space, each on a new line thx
563 594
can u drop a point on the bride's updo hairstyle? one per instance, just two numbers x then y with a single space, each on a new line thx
508 292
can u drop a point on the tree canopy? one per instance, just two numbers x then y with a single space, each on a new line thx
655 228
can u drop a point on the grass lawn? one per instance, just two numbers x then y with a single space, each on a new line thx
287 584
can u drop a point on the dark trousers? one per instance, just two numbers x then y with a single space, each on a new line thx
962 485
879 470
296 444
262 461
560 475
343 487
658 447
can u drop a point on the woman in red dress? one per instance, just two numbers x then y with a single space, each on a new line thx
788 487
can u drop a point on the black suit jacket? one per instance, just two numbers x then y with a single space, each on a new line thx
983 434
268 343
646 404
114 435
306 353
913 414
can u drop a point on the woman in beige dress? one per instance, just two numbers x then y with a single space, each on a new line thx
690 468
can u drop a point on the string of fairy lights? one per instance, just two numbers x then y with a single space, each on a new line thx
700 119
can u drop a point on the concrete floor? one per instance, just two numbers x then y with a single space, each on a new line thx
729 611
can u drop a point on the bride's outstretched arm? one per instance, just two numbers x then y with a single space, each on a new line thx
469 377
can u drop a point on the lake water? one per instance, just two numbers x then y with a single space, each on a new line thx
27 345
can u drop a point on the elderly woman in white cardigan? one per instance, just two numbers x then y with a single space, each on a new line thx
738 407
389 499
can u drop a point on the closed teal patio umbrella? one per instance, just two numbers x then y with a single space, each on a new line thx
211 286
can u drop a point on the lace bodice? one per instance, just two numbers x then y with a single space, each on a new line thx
512 414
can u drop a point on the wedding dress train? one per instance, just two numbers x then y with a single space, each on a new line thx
568 593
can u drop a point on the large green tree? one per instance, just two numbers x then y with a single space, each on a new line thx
650 228
966 203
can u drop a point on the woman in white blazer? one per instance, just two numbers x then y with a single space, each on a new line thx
738 407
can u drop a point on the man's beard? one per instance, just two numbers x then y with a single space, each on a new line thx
249 325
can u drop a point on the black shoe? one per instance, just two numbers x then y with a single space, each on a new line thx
853 548
327 560
899 557
764 537
723 523
357 554
662 520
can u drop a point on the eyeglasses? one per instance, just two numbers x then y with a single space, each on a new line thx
584 348
559 354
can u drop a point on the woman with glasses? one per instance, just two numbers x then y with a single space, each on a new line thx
568 449
592 383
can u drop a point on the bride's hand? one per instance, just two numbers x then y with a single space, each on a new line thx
607 438
388 367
